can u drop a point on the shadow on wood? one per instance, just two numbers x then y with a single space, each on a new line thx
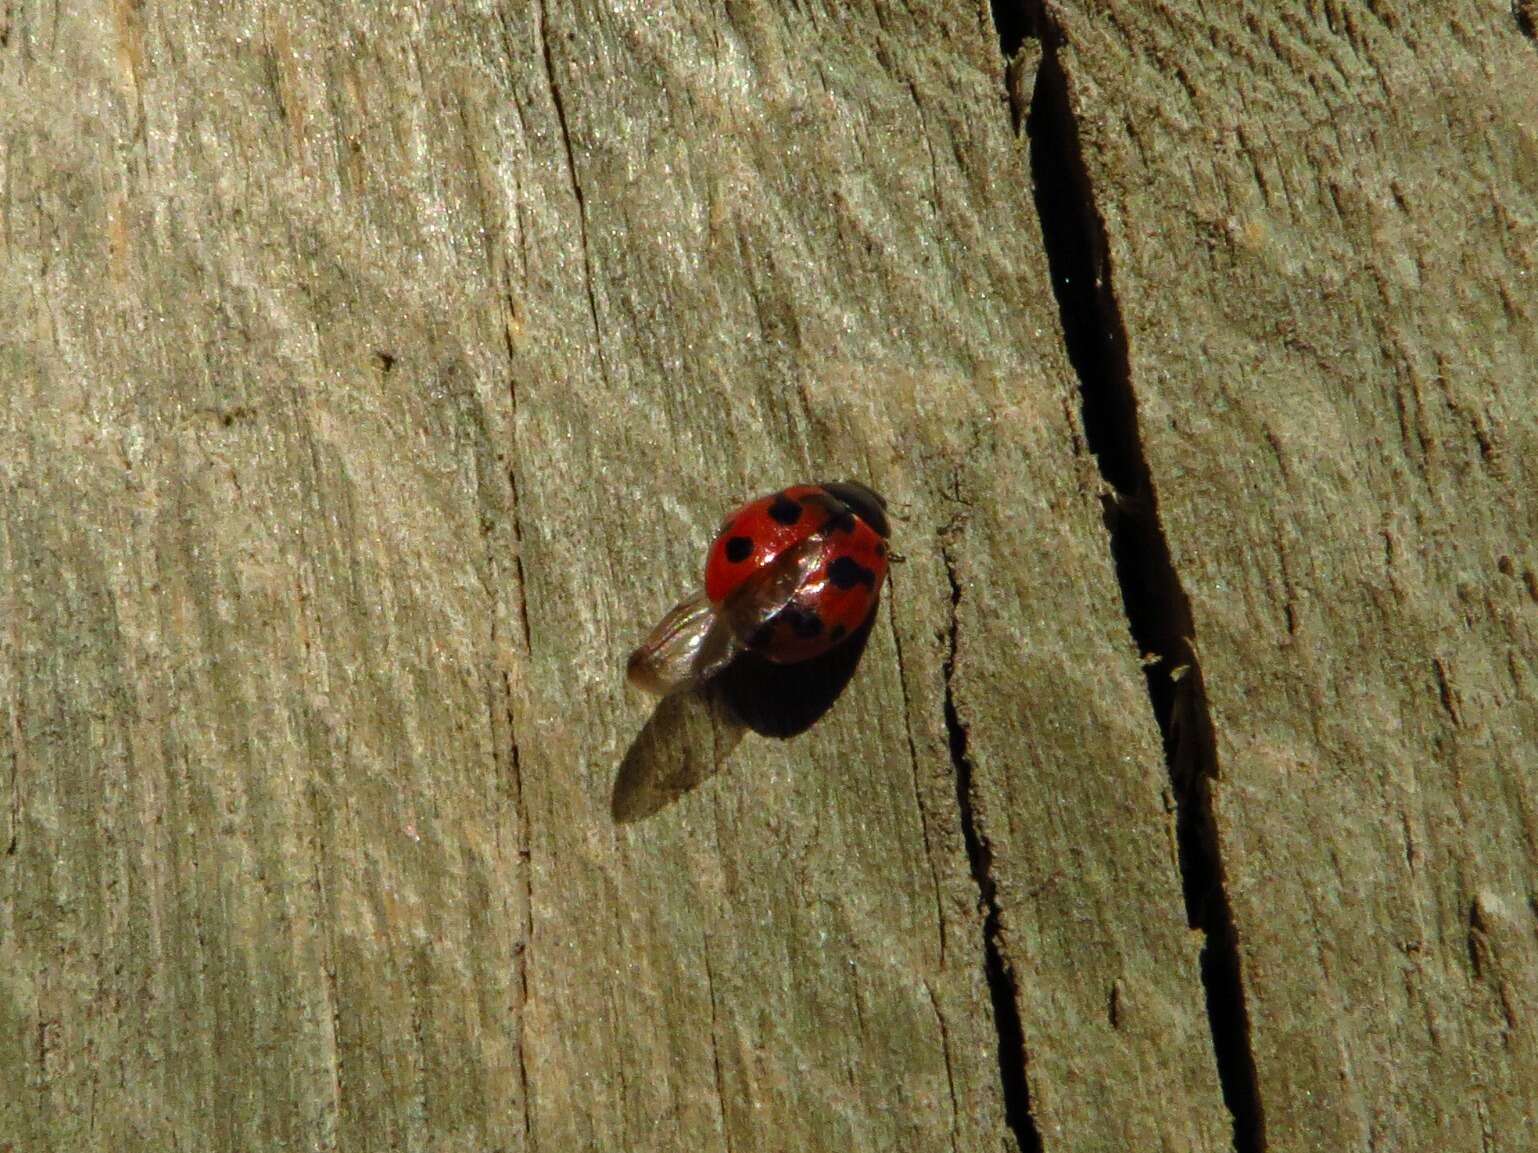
685 742
689 737
785 700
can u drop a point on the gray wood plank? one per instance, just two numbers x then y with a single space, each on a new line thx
1320 226
370 379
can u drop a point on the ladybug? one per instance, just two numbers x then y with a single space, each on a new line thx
789 576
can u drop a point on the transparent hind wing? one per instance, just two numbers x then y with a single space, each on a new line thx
695 640
760 598
688 646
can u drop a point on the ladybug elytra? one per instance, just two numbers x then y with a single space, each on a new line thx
789 576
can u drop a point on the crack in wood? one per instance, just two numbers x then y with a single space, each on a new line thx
950 1072
523 587
715 1049
913 764
15 760
521 952
1003 986
1526 13
1155 602
515 762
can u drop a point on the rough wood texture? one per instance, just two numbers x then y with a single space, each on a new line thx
1322 227
371 378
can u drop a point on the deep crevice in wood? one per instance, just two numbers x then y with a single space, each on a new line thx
523 587
527 861
1526 12
10 847
1003 988
1157 608
1014 24
913 764
515 762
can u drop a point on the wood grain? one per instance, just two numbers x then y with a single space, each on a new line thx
372 378
1321 226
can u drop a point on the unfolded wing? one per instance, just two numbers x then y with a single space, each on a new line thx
696 640
688 646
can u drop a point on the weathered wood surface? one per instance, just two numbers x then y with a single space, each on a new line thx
370 380
1323 238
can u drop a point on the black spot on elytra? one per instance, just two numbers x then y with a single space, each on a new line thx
804 623
837 634
846 572
738 549
842 520
761 636
784 510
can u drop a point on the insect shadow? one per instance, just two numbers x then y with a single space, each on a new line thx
690 736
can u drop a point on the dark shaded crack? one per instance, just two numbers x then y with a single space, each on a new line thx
715 1050
1003 987
1157 608
10 845
526 862
523 585
950 1072
1014 24
515 761
14 725
1526 13
913 764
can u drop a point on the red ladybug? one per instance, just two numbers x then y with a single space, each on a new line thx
789 576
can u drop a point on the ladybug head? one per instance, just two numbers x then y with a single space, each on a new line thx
865 503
